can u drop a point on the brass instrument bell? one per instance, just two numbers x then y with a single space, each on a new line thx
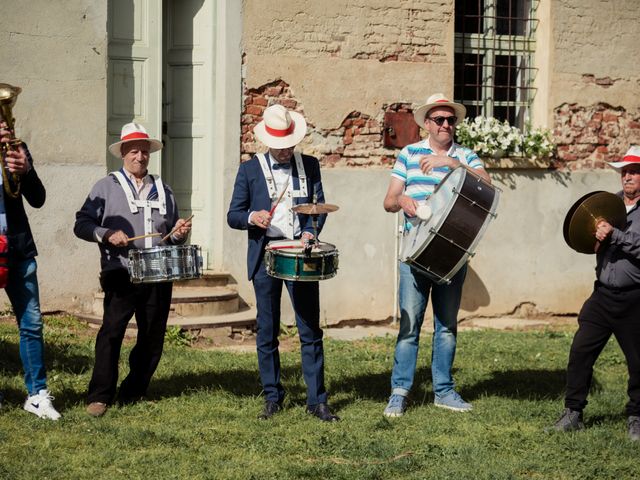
580 222
8 96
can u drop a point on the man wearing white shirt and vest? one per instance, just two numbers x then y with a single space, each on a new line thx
128 203
419 169
260 183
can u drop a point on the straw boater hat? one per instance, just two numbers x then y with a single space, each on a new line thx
437 100
131 132
280 128
632 157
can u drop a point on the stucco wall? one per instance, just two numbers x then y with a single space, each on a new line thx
522 258
595 47
345 56
56 51
594 80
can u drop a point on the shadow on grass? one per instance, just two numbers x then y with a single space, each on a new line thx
520 384
57 357
241 383
517 384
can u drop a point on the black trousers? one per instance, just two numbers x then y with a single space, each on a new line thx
150 303
606 312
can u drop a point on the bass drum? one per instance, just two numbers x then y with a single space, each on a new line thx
462 206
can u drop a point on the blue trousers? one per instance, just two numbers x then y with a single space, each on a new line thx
413 296
306 305
24 295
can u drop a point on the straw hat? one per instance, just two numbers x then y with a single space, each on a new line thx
437 100
632 157
280 128
131 132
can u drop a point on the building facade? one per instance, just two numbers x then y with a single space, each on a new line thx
199 73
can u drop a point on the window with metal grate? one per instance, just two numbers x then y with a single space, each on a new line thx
494 47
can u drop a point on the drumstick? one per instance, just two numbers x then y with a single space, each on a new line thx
157 234
280 247
173 231
273 209
285 246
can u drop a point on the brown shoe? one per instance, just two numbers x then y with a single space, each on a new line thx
96 409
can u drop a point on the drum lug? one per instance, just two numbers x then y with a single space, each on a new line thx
440 280
474 203
468 252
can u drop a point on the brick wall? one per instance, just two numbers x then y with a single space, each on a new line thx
586 137
590 136
356 142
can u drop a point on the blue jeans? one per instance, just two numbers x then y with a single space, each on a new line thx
23 293
413 296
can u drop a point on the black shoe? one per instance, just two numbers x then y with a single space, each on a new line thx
634 427
270 409
322 411
569 421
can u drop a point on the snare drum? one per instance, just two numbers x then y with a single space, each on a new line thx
286 259
165 264
462 206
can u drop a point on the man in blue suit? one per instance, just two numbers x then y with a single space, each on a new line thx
285 175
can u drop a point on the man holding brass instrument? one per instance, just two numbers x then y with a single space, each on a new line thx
613 307
18 268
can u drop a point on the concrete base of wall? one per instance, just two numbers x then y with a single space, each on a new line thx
522 258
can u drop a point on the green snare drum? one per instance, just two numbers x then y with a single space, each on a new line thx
286 259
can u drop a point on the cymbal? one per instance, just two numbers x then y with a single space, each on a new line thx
314 208
580 222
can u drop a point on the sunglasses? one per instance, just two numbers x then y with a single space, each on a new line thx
440 120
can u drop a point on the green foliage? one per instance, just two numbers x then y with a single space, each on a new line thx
177 336
490 137
6 311
199 420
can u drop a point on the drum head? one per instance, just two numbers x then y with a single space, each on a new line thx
295 247
440 202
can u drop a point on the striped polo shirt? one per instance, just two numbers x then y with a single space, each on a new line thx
419 185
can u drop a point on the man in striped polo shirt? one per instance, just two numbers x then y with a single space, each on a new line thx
419 169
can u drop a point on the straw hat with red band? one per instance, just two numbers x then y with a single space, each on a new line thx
131 132
434 101
632 157
280 128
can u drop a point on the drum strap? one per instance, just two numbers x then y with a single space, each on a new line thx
146 205
290 194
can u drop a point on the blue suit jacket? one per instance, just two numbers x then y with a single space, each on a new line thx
250 194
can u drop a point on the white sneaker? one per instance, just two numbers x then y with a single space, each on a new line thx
41 405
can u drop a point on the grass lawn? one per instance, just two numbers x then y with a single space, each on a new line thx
200 419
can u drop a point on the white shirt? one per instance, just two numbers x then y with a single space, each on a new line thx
282 215
142 188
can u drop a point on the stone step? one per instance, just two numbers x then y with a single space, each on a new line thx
192 301
209 278
245 319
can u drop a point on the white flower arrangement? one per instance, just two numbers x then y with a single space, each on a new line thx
489 137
